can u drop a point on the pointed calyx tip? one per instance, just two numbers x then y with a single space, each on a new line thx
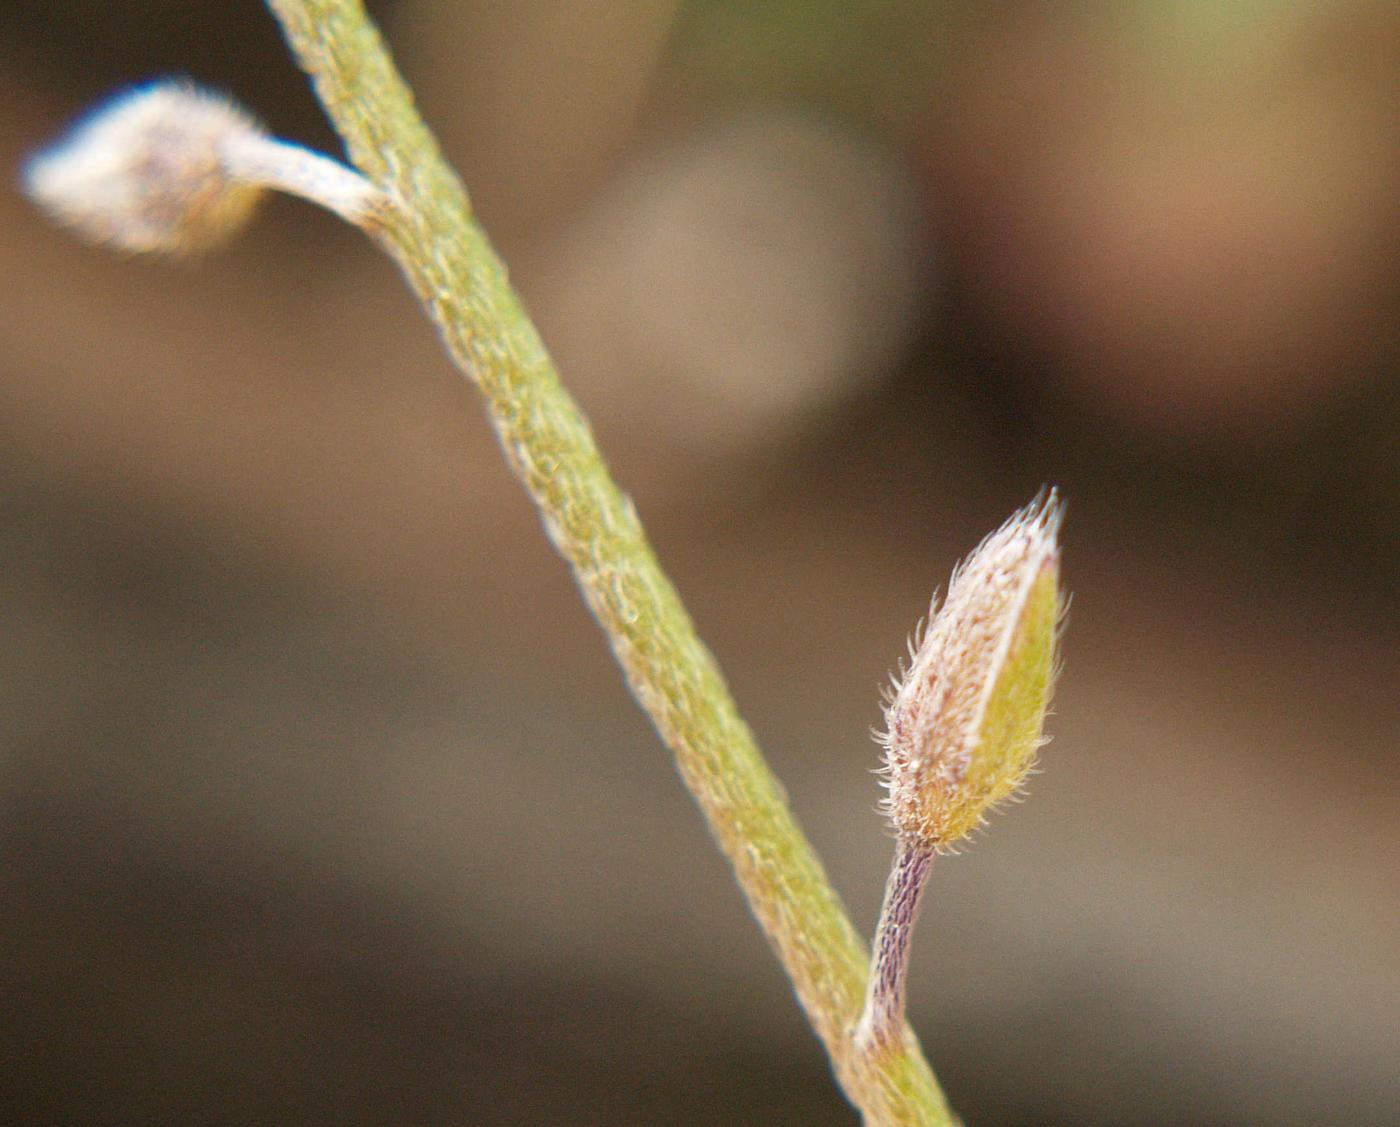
965 719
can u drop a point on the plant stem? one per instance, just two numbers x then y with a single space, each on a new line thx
882 1024
429 230
271 163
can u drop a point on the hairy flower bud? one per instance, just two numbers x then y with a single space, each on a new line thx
964 721
145 171
171 168
962 726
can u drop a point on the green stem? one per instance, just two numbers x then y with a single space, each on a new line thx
429 230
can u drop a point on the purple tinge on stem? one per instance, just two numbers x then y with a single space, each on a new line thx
882 1023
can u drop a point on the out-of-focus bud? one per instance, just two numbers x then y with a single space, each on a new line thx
171 168
145 171
964 721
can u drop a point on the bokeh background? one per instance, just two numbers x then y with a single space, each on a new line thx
322 800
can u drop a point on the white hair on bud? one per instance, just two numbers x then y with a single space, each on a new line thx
169 167
935 707
962 725
145 171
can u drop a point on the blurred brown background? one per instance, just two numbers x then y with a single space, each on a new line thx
322 800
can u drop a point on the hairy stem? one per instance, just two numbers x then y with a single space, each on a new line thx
882 1024
428 229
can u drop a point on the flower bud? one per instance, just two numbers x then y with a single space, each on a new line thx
145 171
964 721
171 168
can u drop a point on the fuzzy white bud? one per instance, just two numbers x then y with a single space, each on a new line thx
171 168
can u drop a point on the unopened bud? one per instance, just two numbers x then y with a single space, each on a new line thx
964 721
962 726
171 168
